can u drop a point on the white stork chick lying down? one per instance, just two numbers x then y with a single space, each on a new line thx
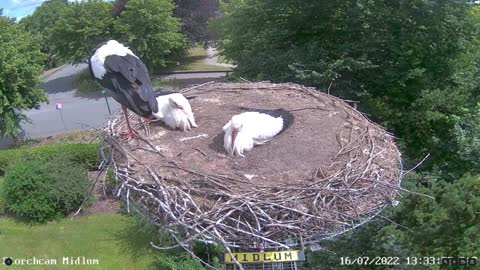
175 111
248 129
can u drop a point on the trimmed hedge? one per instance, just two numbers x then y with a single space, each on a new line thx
86 154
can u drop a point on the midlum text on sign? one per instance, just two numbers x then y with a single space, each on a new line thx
266 257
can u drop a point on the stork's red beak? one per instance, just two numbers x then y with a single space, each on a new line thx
234 136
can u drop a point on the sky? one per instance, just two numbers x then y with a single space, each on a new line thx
21 8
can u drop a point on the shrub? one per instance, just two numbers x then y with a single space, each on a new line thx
86 154
86 84
176 262
40 190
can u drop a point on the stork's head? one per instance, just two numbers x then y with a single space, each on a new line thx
237 138
236 124
181 112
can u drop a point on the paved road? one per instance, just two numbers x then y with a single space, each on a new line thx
80 112
86 112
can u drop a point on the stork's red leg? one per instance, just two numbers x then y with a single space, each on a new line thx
131 133
147 127
152 120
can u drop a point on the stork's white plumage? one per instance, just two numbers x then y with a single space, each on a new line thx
175 111
112 47
248 129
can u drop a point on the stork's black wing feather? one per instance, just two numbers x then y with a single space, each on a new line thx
128 77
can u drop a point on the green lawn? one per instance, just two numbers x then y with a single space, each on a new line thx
173 84
194 61
222 59
113 239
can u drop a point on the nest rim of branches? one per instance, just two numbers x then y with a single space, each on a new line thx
329 204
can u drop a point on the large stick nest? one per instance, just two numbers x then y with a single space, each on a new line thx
330 171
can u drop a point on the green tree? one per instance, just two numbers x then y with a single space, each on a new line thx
20 65
42 22
421 227
80 29
195 15
148 26
413 64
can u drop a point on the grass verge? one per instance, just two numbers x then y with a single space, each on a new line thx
173 84
193 61
67 138
113 239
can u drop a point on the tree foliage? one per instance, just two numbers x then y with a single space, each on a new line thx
149 27
119 7
146 26
44 18
421 227
42 22
413 64
195 16
81 28
21 62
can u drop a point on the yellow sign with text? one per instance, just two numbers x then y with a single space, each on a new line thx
266 257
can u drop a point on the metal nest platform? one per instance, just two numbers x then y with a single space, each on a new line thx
330 172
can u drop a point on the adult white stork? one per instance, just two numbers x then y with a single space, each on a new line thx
119 70
175 111
257 127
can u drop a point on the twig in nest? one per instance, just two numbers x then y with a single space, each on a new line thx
201 152
328 89
416 166
89 193
196 86
194 137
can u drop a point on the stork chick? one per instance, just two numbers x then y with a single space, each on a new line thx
248 129
175 111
